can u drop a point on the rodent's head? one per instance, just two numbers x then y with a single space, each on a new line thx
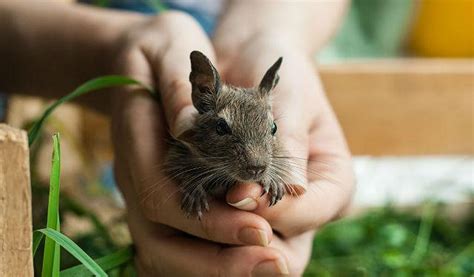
235 131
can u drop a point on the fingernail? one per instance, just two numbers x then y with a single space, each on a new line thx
253 236
247 204
271 268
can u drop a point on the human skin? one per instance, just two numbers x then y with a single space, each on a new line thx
228 241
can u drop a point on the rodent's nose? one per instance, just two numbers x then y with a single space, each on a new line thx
256 170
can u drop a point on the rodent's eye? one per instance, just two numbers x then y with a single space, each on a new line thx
222 128
274 128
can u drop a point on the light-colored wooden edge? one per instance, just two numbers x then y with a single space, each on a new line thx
15 204
399 107
404 106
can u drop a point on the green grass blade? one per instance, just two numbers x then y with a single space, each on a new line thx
37 238
51 250
423 238
108 262
57 253
89 86
56 260
74 250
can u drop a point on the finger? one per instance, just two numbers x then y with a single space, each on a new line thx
171 64
245 196
162 251
294 215
181 256
330 187
159 198
294 115
331 170
297 250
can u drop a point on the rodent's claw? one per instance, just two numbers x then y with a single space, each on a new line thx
266 188
276 192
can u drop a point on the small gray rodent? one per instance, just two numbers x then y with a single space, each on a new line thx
233 139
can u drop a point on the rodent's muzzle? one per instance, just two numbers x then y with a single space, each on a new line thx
256 170
253 172
253 163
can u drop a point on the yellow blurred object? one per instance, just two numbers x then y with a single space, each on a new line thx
443 28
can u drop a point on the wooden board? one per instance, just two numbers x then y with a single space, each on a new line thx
404 106
15 204
386 107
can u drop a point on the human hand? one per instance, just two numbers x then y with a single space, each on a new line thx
227 241
310 133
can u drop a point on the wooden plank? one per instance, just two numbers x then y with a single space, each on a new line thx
15 204
391 107
404 106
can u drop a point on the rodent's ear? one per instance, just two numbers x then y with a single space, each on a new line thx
205 81
271 78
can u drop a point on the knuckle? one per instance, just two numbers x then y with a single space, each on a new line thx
131 61
126 54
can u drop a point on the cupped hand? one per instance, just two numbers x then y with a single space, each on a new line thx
323 181
156 52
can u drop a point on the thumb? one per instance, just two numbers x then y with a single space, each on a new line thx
174 86
177 105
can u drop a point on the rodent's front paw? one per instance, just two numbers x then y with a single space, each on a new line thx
274 190
194 202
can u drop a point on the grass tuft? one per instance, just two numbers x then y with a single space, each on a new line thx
54 238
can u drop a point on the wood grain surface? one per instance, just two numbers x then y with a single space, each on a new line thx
15 204
404 106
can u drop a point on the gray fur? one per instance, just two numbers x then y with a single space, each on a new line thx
204 163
